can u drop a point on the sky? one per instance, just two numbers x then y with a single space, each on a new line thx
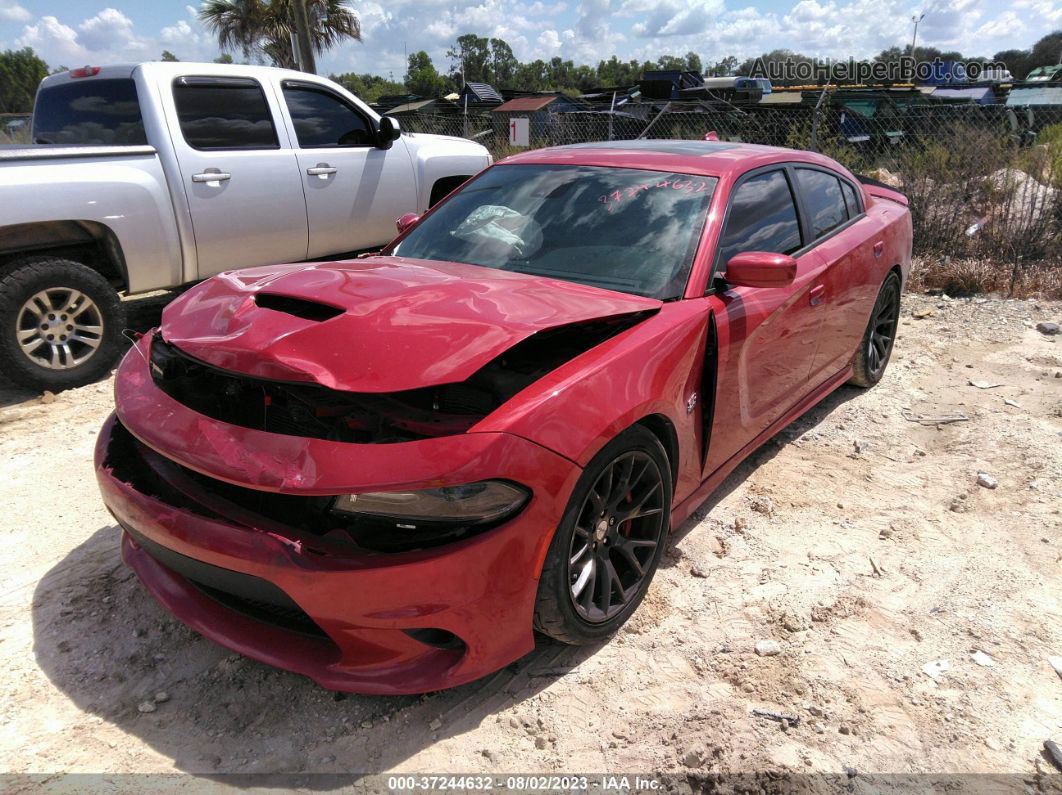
79 32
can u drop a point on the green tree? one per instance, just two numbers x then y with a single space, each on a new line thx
723 67
223 58
469 58
168 56
263 28
422 78
368 88
21 71
503 64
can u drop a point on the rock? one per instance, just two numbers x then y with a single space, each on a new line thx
717 547
762 504
1054 753
961 504
697 571
48 397
367 724
994 744
162 697
984 384
844 729
435 725
935 668
986 480
768 648
1044 327
1009 402
981 658
540 743
693 758
740 525
146 706
922 314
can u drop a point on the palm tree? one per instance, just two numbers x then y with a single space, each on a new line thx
263 28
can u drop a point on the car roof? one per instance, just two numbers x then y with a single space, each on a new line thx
704 158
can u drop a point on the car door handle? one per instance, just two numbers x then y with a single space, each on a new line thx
879 248
321 170
211 175
817 294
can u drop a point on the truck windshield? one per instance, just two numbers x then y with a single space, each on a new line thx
89 111
622 229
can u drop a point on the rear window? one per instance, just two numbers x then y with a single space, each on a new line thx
89 111
230 113
822 194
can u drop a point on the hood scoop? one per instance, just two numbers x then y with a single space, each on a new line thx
299 307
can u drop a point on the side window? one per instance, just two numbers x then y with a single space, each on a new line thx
229 113
323 120
762 217
851 199
822 197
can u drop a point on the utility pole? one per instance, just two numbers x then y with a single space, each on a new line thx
916 18
302 33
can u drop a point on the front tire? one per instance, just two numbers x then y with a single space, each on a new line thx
608 545
60 324
876 346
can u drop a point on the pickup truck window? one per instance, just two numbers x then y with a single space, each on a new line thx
323 120
225 113
88 111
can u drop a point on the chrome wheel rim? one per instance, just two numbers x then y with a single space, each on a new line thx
59 328
616 535
883 322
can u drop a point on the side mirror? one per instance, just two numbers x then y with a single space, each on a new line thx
389 132
760 269
406 221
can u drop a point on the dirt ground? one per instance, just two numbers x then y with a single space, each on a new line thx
859 540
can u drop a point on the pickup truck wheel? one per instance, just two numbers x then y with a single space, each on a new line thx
60 323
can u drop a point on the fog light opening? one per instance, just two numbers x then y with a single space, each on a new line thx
438 638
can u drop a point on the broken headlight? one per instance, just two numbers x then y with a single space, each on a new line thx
486 502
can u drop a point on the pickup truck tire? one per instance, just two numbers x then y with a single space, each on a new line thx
60 323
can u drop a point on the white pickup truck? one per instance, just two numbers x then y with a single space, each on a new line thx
150 176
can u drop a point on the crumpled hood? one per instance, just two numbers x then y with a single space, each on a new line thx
396 324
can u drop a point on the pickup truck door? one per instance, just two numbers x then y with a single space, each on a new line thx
355 191
242 183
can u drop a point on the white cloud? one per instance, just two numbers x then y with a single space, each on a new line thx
10 11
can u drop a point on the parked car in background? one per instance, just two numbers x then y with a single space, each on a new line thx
386 473
151 176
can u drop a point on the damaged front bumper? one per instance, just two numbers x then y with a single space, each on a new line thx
194 497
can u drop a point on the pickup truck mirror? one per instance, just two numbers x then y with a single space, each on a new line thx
389 131
406 221
760 269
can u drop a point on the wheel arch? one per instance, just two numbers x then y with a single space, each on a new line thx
444 186
91 243
663 429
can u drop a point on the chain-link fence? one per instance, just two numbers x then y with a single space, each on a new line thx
984 181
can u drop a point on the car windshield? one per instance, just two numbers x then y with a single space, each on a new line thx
622 229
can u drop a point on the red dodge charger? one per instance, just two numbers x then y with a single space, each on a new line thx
386 473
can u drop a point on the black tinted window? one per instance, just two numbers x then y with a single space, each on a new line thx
762 218
89 111
851 199
324 120
232 114
822 195
619 228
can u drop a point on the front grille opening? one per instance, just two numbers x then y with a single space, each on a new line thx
299 307
252 596
438 638
292 619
